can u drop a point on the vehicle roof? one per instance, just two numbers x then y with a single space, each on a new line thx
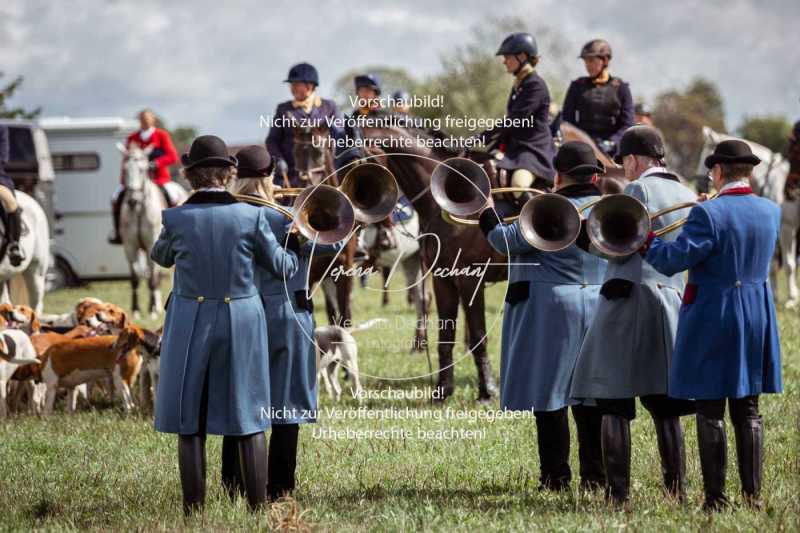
87 123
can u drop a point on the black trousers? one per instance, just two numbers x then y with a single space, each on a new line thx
282 460
740 409
659 406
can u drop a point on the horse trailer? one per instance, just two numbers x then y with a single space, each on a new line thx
87 165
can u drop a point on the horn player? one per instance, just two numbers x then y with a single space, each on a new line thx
629 343
547 310
727 344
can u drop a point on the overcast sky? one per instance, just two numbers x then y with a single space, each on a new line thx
219 65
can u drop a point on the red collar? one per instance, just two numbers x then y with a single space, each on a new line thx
737 191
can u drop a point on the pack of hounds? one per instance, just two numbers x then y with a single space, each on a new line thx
96 349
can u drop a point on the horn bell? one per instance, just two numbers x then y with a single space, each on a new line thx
372 190
550 222
324 213
460 186
618 225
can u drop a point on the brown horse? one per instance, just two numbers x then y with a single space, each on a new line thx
458 257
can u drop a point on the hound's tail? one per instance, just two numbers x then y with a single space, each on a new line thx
371 323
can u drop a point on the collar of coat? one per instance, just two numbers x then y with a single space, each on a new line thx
577 190
736 191
211 197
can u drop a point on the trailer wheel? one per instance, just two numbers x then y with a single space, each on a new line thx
60 275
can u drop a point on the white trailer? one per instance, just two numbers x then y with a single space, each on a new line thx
87 168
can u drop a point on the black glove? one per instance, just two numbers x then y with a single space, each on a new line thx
293 243
487 221
616 288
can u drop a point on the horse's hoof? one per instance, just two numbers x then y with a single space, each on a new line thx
137 315
153 315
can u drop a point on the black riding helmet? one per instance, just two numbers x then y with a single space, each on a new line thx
303 72
368 80
519 43
596 48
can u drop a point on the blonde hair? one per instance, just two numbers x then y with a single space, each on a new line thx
253 186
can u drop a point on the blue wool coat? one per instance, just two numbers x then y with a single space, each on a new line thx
215 327
290 322
727 344
547 312
628 347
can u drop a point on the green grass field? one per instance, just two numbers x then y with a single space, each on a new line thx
102 469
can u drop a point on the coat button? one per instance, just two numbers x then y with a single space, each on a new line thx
201 299
227 300
738 283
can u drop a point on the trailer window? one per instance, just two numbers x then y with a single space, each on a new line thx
77 162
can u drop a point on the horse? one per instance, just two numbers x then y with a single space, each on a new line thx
456 248
314 163
769 180
25 284
392 244
140 224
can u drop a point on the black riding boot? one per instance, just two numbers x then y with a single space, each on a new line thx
713 445
588 421
750 456
282 460
673 455
192 466
116 208
232 480
253 460
552 435
616 442
15 254
487 389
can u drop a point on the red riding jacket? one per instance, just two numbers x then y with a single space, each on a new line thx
165 150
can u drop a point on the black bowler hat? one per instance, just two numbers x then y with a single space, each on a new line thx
640 140
731 153
254 162
576 158
208 151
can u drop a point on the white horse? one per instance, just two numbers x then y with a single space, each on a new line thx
25 284
140 224
396 247
768 181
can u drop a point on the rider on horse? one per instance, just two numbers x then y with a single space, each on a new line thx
307 106
599 104
9 203
368 91
525 152
162 155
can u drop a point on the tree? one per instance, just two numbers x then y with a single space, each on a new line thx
770 130
182 136
681 116
6 93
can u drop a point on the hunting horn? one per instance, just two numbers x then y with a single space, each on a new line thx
373 191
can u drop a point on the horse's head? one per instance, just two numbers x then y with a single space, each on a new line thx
312 151
136 164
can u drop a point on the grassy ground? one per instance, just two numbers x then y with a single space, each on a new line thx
101 469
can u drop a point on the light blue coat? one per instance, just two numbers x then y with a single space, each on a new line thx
549 305
292 355
629 344
727 343
215 324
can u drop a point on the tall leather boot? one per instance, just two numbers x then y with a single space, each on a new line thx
192 467
615 436
253 460
669 435
588 421
232 480
487 389
750 455
552 435
282 460
713 445
15 254
116 208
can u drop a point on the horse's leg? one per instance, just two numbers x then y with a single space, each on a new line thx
446 295
385 274
329 291
476 325
789 259
135 293
155 290
35 277
413 273
343 289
